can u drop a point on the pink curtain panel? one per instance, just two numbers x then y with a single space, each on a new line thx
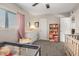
21 25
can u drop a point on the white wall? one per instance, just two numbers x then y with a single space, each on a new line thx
11 7
15 8
43 29
8 35
76 15
4 35
44 21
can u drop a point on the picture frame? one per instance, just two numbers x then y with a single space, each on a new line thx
37 24
73 19
29 24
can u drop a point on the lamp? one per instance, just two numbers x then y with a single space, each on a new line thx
32 27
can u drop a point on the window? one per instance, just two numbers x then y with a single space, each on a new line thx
7 19
2 18
12 23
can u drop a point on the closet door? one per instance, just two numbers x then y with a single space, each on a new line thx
65 28
43 29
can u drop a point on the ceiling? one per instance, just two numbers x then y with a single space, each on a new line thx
55 8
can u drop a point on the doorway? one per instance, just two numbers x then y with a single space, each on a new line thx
65 27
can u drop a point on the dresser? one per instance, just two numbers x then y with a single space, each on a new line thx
33 35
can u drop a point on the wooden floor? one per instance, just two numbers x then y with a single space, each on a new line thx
51 49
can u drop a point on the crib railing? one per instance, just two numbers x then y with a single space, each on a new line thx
72 45
26 48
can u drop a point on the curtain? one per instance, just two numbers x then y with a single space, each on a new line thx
21 25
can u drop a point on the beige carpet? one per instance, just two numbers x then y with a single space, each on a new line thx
51 49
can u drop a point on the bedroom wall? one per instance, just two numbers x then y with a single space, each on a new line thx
13 8
44 21
8 35
75 14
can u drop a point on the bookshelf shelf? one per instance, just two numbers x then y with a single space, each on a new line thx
54 32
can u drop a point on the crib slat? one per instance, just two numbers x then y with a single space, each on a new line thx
72 45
